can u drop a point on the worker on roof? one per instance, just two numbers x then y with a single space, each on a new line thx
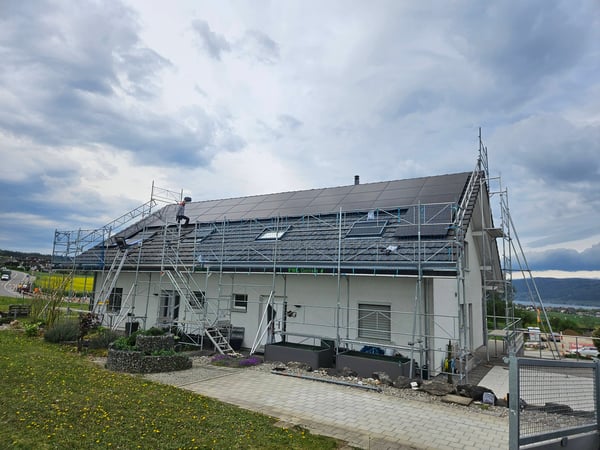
181 211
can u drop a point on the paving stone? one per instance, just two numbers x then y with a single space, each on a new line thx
457 399
364 419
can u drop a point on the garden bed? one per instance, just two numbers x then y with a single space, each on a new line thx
365 364
144 359
311 355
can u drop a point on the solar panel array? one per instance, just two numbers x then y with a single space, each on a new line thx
380 234
361 197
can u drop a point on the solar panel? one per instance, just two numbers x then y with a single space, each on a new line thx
427 231
140 237
370 228
204 232
362 197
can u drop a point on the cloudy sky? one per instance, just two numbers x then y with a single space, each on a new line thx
99 99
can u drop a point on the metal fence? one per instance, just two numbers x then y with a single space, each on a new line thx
553 403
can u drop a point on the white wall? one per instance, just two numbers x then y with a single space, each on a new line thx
312 300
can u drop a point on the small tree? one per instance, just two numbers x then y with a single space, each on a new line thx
48 308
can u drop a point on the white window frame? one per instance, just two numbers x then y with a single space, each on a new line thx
168 307
115 300
271 234
242 298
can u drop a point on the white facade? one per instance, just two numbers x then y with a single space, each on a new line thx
314 305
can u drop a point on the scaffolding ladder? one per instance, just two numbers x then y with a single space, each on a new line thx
110 280
201 317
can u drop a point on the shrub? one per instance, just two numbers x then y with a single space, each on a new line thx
32 329
102 338
124 343
62 331
154 331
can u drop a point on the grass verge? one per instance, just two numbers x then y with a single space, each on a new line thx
54 398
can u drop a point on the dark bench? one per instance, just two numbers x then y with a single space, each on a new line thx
19 310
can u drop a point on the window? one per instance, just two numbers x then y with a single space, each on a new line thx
272 234
114 300
374 322
198 298
240 302
169 305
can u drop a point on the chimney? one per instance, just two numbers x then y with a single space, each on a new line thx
356 179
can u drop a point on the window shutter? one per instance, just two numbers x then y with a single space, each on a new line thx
374 321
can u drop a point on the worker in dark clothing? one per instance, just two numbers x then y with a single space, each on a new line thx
181 213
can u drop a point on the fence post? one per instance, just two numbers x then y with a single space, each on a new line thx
513 402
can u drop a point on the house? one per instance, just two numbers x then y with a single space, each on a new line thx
404 266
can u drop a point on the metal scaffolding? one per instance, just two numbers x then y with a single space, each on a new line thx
179 263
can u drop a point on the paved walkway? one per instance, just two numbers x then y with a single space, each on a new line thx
364 419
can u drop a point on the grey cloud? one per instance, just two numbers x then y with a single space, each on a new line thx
417 101
555 167
554 150
289 122
80 75
214 44
284 126
521 44
142 64
502 57
566 259
259 46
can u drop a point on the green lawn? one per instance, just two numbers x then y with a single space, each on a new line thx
54 398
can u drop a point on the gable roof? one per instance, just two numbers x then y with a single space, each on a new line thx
358 197
370 228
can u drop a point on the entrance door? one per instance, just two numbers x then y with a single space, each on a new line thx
272 316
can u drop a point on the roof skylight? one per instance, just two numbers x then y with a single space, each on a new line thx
271 234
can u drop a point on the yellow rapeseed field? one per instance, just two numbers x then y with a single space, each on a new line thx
79 284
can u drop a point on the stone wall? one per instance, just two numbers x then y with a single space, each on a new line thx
137 362
142 361
151 344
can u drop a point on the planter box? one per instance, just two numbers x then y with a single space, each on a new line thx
313 356
364 364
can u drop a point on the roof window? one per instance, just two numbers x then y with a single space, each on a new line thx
270 234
